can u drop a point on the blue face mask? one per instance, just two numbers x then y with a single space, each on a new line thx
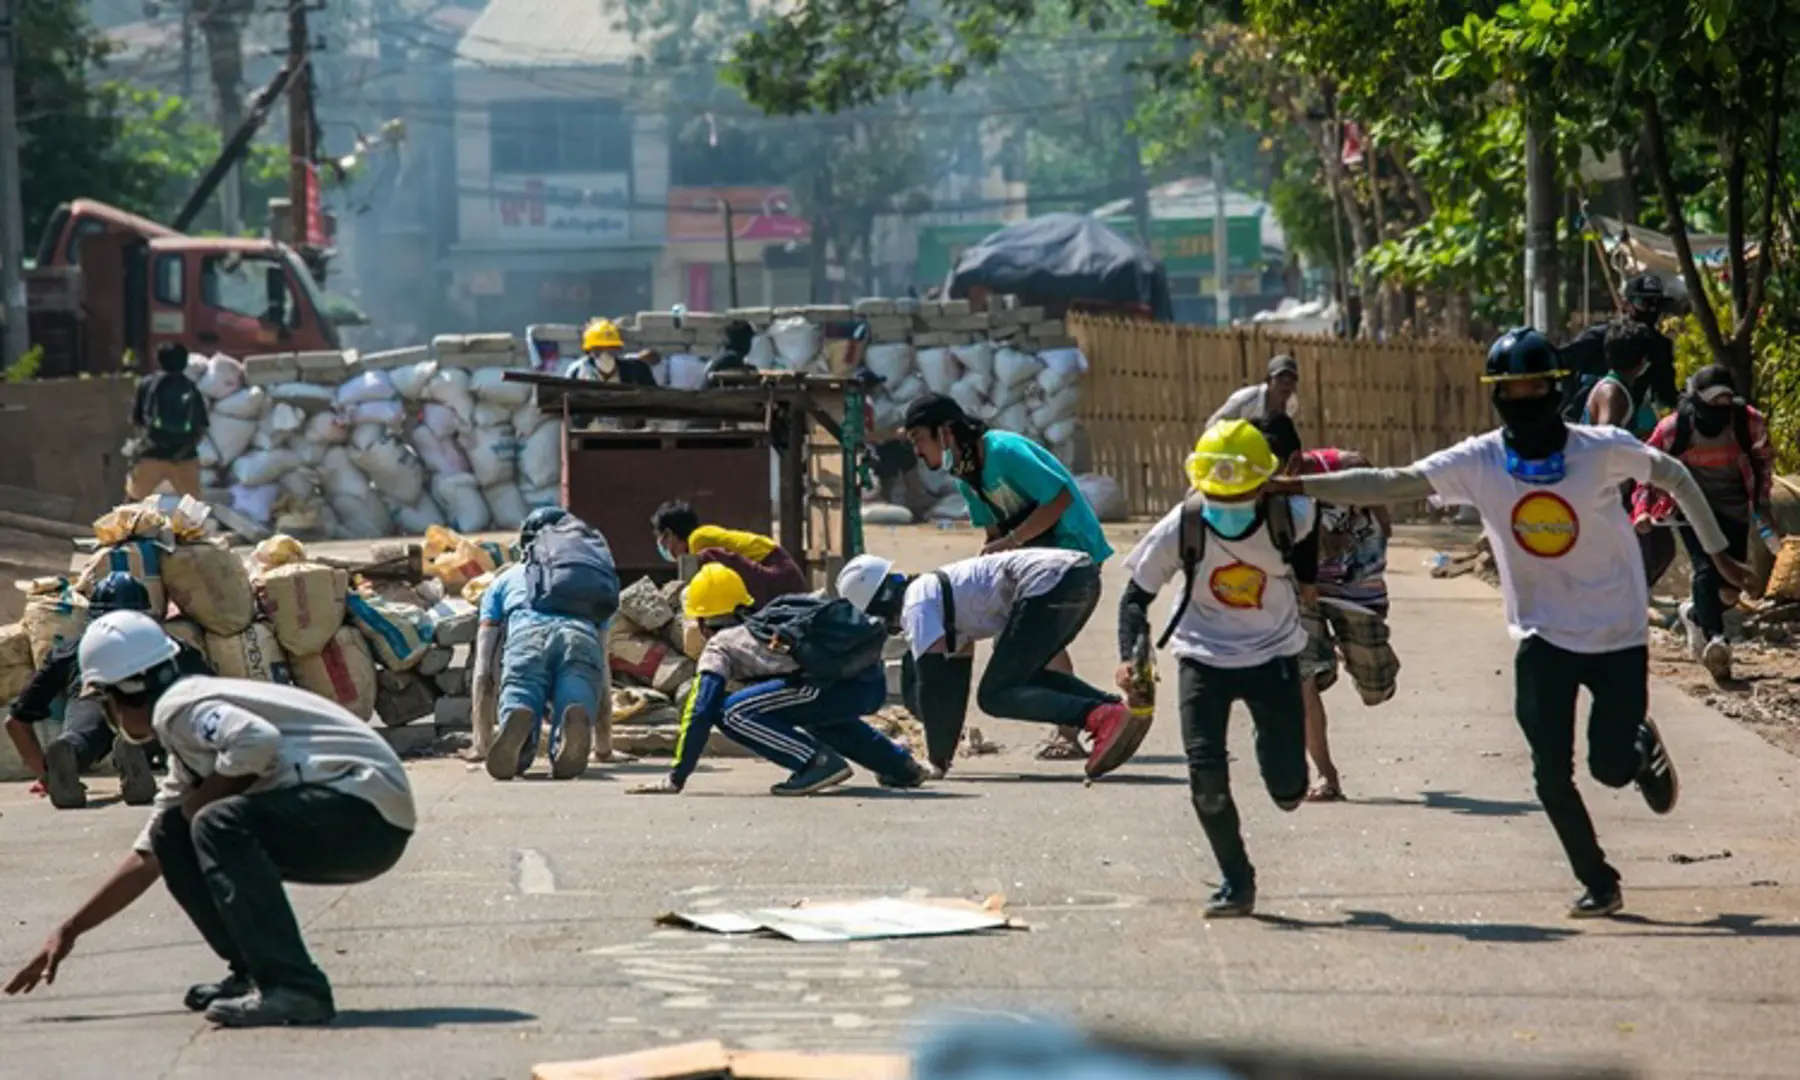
1548 470
667 556
949 464
1230 519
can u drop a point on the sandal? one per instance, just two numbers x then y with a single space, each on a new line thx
1325 791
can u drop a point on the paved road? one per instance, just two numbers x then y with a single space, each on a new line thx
1424 917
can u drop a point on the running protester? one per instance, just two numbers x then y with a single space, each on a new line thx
1032 604
1277 394
768 570
1350 619
1245 558
1571 578
1018 493
807 726
1724 443
1612 402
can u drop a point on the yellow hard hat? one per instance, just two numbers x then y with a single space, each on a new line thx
601 334
1232 458
716 590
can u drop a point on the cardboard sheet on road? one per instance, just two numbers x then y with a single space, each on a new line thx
855 920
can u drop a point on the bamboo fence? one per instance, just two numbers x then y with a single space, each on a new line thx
1152 386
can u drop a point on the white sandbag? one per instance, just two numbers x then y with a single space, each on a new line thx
442 456
1062 430
460 496
387 413
686 372
253 654
965 394
939 369
230 435
910 390
304 602
1062 367
360 515
397 632
416 518
343 671
1015 418
1104 495
796 341
442 420
300 484
394 470
1061 405
879 513
255 501
489 385
487 415
247 404
368 386
224 377
891 362
526 419
949 508
1005 397
540 458
363 436
885 415
450 386
311 454
265 438
506 505
326 429
409 381
304 396
762 355
339 475
493 454
209 454
536 498
1012 367
978 357
263 467
284 420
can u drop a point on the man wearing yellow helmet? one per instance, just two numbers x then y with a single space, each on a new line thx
1245 556
807 724
602 358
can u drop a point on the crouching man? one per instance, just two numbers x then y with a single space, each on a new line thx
814 669
266 784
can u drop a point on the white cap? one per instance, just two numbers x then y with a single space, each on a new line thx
122 646
861 579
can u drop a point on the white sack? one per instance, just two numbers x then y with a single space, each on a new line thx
224 377
878 513
450 386
327 429
255 502
284 420
1062 367
339 475
1012 367
686 372
1062 430
301 483
1015 418
796 341
311 454
891 362
264 467
978 357
363 436
1005 397
949 508
247 404
506 504
442 457
910 389
540 459
415 519
368 386
442 420
965 394
762 354
885 415
389 413
540 497
939 369
361 516
1104 495
409 381
460 496
394 470
209 454
490 386
1062 405
526 419
230 436
493 454
487 415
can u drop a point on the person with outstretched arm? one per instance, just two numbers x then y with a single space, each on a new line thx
1571 578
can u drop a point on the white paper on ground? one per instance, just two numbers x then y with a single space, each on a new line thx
856 920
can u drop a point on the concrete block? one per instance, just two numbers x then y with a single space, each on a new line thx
455 626
824 313
873 306
447 344
271 370
931 339
436 660
395 358
1047 328
414 741
954 308
964 324
454 714
452 681
402 697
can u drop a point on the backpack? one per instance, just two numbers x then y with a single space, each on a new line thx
569 571
1276 515
827 637
1740 426
170 405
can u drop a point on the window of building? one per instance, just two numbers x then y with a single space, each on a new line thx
738 160
240 286
547 137
169 286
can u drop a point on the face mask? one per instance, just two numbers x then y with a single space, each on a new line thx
1710 420
949 464
1230 519
1547 470
1534 426
667 555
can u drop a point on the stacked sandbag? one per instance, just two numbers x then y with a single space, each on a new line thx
55 615
343 671
16 667
645 644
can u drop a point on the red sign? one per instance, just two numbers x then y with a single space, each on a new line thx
758 215
315 212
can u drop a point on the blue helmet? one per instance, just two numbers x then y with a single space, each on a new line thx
118 591
1523 353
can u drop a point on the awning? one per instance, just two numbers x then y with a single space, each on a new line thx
1639 250
574 260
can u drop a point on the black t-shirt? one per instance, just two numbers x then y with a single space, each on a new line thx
61 673
1586 355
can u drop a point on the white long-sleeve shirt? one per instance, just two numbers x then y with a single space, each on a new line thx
281 735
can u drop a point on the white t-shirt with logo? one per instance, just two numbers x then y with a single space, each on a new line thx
985 590
1244 608
1570 568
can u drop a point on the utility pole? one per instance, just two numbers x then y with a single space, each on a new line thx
730 250
1540 231
1221 242
12 211
1134 164
301 178
187 52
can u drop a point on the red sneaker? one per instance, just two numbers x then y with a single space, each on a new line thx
1117 732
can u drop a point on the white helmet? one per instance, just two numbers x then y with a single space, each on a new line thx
122 646
861 579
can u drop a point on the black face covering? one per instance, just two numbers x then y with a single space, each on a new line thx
1534 426
1710 420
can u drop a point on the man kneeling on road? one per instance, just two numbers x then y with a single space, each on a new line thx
1033 602
814 669
266 784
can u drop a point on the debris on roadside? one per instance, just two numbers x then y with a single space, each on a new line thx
853 920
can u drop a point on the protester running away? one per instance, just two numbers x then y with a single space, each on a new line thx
540 650
266 784
1349 621
813 669
1620 399
170 421
1245 556
86 739
1279 393
767 569
1031 604
1644 303
1571 579
1724 442
1019 494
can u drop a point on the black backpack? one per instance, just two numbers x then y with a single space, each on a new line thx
827 637
1275 514
1740 426
171 405
569 570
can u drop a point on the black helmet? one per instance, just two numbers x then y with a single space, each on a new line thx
1523 354
1645 290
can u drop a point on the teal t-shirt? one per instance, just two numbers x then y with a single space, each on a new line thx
1016 473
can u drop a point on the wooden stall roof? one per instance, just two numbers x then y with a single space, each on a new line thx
746 398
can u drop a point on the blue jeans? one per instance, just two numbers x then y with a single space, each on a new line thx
785 721
550 664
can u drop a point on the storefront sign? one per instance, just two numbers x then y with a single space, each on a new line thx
582 209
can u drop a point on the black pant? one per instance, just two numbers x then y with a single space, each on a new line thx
1278 711
1709 610
85 728
225 869
1017 684
1546 681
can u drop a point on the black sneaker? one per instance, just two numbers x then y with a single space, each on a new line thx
137 784
915 776
202 995
1597 905
276 1007
825 770
62 776
1231 902
1656 778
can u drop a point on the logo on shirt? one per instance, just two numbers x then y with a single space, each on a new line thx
1545 525
1239 585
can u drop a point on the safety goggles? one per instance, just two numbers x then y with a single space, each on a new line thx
1233 472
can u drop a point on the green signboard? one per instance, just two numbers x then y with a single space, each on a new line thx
1183 245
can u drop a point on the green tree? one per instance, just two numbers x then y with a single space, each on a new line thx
66 119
